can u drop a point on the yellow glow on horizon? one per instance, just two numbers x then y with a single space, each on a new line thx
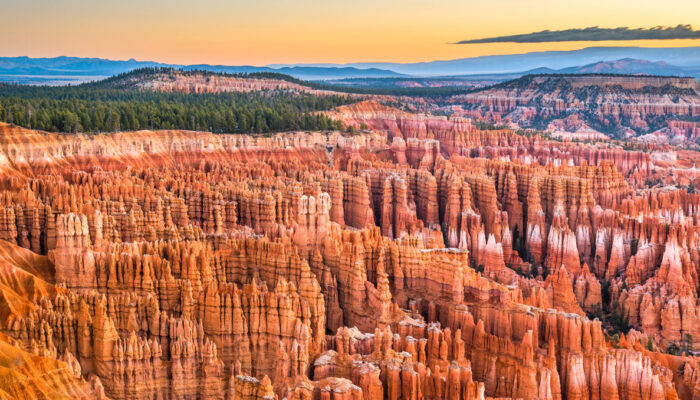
263 32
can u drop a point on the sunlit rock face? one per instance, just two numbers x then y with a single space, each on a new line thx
422 259
589 107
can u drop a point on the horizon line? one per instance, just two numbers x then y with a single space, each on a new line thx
282 65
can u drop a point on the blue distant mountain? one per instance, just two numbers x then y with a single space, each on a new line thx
72 66
680 61
60 70
683 57
632 66
306 73
625 66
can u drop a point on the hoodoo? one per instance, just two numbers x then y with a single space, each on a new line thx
219 266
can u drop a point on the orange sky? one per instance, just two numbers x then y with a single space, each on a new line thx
262 32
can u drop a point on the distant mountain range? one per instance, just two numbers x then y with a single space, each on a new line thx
681 61
625 66
678 56
62 70
628 66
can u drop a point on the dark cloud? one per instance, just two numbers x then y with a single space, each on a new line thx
595 33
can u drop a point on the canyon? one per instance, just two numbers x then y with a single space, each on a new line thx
416 257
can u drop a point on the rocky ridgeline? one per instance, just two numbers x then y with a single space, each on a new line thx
427 259
204 82
623 106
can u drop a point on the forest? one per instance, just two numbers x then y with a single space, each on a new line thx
93 108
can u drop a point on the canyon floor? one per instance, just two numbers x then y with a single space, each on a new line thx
411 257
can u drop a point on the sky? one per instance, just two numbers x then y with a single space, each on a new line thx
262 32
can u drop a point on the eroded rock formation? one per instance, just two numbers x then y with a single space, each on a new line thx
425 259
582 106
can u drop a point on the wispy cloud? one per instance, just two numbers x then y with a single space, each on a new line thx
595 33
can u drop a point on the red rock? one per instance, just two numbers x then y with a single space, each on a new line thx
556 98
561 291
181 264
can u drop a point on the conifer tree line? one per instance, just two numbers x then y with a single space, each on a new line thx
93 108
